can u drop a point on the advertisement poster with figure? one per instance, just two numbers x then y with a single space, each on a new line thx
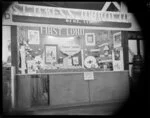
117 55
50 54
117 39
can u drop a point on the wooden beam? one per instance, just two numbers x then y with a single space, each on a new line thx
117 5
106 5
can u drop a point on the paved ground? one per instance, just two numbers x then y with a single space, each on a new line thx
96 110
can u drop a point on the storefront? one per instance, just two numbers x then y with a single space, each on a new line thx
65 57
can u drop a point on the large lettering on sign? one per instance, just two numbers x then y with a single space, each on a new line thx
57 31
90 16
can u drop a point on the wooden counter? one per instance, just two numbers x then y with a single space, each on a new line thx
68 89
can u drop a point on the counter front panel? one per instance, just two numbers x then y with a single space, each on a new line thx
68 89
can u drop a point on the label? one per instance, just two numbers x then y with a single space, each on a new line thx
88 76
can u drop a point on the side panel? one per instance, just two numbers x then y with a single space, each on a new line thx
23 91
109 86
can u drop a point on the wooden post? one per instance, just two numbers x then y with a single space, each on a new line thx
13 73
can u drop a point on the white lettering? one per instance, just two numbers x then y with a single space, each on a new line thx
43 30
73 31
15 9
67 31
59 30
54 31
70 14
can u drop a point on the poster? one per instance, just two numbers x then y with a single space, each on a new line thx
118 59
117 39
90 39
50 54
33 37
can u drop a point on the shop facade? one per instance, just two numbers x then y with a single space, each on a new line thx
66 57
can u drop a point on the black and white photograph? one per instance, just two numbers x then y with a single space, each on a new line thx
75 58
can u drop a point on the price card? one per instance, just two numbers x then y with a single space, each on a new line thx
88 76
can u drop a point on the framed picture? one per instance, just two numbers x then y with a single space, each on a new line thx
90 39
33 37
50 54
117 39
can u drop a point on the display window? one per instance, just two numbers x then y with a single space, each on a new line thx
55 49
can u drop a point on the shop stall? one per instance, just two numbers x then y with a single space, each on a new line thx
65 57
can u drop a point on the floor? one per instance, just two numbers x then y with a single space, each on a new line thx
105 109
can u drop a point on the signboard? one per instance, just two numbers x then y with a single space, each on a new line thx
88 76
62 21
70 49
71 15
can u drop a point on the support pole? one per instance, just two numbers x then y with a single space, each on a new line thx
13 73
